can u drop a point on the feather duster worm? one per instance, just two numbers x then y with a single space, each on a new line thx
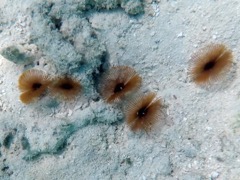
210 63
65 88
143 112
33 84
118 82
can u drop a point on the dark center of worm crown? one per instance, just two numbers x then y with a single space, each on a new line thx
66 86
142 112
119 87
209 65
36 86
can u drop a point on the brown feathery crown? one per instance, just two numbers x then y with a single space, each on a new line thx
32 83
117 82
210 63
66 88
143 112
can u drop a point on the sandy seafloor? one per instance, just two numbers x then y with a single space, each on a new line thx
89 139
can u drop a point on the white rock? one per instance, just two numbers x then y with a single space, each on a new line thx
180 35
214 175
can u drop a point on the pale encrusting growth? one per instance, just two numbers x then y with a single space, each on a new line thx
132 7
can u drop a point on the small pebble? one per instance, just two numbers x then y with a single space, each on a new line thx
214 37
152 33
180 35
214 175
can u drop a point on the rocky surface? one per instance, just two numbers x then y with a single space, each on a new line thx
88 138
